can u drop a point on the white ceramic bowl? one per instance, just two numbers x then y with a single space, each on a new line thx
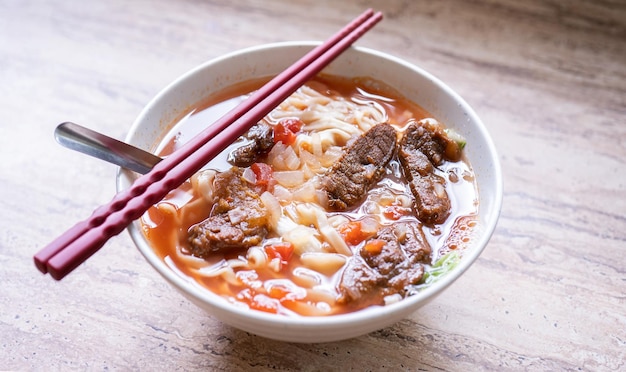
413 82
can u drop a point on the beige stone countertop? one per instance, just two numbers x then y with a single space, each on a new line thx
548 78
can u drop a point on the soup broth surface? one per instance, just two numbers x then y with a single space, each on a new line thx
334 111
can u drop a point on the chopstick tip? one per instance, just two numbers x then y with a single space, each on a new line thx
41 266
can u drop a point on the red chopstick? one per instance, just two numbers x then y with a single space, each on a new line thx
80 242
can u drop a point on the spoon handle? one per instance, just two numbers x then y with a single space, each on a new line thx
87 141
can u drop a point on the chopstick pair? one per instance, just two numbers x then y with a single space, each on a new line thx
80 242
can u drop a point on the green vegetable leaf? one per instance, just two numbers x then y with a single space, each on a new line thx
443 266
456 137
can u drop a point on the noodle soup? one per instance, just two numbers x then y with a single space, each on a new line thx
324 207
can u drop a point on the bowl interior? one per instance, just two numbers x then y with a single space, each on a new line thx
412 82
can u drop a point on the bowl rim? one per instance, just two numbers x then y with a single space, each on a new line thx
407 305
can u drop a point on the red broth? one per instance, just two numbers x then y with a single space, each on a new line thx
292 287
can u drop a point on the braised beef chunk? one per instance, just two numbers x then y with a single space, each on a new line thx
410 240
390 268
424 146
360 167
430 138
261 141
238 218
360 284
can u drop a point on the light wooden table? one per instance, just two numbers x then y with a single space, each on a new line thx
547 77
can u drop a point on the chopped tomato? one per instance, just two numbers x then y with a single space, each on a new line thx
286 291
265 303
395 212
352 232
286 129
293 124
263 174
289 303
374 246
278 291
282 251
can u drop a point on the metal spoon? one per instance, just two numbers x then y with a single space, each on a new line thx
87 141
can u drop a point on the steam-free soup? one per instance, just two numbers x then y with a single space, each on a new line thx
345 196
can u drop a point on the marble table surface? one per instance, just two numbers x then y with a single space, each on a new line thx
547 77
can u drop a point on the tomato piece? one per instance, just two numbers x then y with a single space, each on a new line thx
293 124
395 212
352 232
282 251
263 174
265 303
374 246
278 291
290 304
286 129
284 135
